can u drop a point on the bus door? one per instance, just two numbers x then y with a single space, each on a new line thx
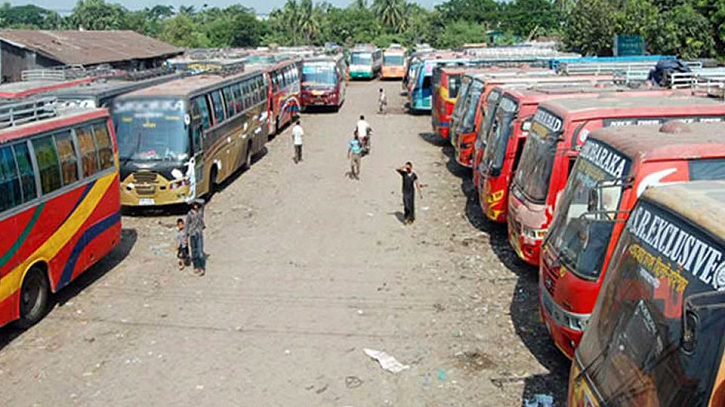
197 180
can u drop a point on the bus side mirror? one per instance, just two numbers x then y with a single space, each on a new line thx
704 311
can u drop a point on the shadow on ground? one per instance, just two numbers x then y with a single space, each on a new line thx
85 280
524 309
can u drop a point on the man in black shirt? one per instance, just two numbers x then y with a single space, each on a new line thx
410 184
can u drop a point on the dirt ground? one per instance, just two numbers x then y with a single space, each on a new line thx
307 268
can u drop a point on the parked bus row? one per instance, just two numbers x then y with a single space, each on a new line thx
577 169
67 166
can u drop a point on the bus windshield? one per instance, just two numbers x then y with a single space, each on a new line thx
495 150
149 130
594 188
393 60
470 107
319 76
537 159
458 108
632 350
454 85
361 58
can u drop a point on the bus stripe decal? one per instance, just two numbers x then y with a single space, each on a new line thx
21 239
78 202
81 244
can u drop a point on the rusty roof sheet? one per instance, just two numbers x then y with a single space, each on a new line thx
701 202
89 47
704 140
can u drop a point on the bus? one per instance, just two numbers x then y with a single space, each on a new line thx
494 168
102 93
597 202
59 201
420 94
479 102
558 130
366 62
284 86
657 334
178 141
324 81
446 85
394 62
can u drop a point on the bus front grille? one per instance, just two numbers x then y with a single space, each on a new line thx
145 183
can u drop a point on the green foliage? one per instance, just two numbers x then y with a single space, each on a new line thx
590 27
28 16
460 32
529 18
684 32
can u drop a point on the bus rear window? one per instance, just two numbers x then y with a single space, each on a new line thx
454 84
707 169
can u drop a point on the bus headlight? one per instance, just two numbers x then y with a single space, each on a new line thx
577 323
179 183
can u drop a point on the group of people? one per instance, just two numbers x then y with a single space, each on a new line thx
190 232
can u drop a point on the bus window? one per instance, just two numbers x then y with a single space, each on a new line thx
47 158
68 157
255 90
104 145
237 98
229 101
89 155
707 169
218 105
203 106
247 94
27 174
10 195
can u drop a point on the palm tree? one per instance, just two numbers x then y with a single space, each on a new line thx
290 17
391 13
309 23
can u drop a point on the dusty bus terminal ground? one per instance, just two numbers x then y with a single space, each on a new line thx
306 269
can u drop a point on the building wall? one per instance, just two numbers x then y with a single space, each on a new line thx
14 60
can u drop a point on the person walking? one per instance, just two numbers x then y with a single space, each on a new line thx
382 101
410 184
195 234
297 134
363 131
354 154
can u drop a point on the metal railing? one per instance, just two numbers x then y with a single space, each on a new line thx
54 75
17 113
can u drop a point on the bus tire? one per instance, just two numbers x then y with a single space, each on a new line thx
213 185
248 156
34 295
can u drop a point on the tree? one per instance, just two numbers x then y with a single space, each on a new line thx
530 17
181 30
28 16
459 33
391 13
684 32
98 15
589 29
485 12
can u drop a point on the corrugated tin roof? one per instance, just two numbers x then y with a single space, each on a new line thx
89 47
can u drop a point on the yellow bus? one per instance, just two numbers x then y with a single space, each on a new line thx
178 141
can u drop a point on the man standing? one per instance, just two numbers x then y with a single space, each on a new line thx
195 235
354 153
410 184
297 134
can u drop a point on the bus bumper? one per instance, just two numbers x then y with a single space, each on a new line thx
464 149
525 238
361 75
493 199
147 190
559 322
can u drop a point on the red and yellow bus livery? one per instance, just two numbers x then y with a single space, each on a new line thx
558 131
59 206
614 168
446 85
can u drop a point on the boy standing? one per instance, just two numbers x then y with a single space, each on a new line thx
182 245
297 134
382 101
354 153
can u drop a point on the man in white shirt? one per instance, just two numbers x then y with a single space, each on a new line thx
363 131
297 134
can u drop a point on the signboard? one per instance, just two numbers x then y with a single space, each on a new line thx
628 45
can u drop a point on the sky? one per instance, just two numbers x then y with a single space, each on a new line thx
261 6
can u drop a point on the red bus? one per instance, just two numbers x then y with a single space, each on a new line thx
59 203
324 81
614 168
446 85
505 140
656 337
284 85
558 130
476 106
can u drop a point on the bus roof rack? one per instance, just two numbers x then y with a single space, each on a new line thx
17 113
